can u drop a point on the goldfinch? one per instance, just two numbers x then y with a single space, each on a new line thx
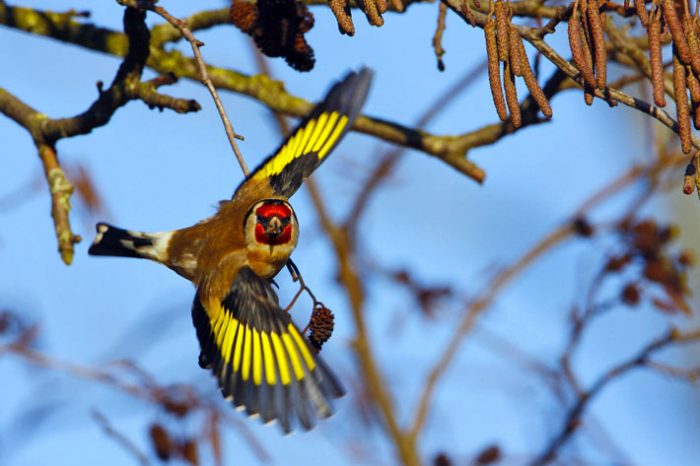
262 362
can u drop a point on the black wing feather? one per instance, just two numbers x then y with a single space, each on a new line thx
307 146
250 313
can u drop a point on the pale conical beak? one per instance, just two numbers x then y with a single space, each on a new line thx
274 228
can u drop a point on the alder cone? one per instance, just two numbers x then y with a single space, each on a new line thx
321 326
278 28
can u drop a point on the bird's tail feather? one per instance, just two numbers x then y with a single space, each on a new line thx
114 241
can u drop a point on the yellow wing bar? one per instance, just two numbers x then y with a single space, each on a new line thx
282 173
249 351
260 359
317 137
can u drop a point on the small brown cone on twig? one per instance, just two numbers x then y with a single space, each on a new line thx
321 326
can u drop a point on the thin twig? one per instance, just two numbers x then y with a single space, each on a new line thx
449 148
573 417
532 36
507 275
120 438
201 69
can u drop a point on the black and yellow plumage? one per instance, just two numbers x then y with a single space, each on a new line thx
260 359
281 174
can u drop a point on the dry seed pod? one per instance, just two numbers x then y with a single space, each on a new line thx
641 12
502 29
577 43
189 451
494 69
161 441
682 111
696 116
656 58
676 27
598 42
511 96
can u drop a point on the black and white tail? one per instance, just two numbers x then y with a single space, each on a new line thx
113 241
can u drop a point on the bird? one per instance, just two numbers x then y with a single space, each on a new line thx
263 363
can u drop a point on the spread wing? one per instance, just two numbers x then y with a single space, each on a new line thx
262 362
282 173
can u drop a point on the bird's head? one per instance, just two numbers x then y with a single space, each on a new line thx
272 223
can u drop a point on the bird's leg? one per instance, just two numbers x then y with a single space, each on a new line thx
296 277
293 270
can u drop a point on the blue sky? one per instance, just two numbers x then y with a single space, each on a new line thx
159 171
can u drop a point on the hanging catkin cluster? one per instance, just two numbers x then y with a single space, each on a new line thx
587 43
373 9
278 28
504 45
667 20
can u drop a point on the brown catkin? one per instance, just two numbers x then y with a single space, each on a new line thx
517 65
578 52
342 16
656 58
398 5
587 90
502 28
494 69
511 96
692 36
676 27
641 12
372 13
682 111
598 43
693 85
689 178
529 76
